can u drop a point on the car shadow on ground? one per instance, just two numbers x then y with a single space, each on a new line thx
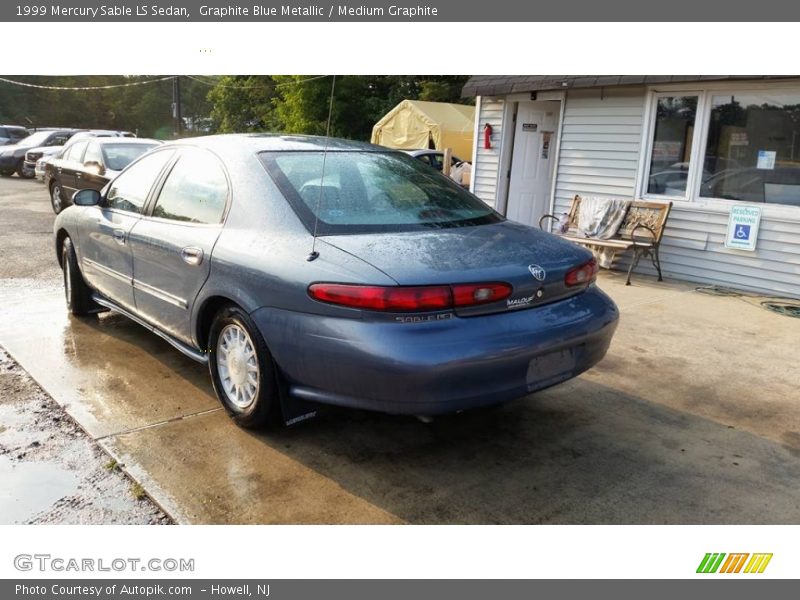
578 453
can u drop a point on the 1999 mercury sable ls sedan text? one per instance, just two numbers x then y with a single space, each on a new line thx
332 272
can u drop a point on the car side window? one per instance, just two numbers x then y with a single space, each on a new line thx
76 151
59 139
93 154
195 190
425 158
129 191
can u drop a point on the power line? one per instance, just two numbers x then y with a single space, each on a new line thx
243 87
83 88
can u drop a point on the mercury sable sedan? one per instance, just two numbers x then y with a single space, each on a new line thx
305 272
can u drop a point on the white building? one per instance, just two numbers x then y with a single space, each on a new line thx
706 143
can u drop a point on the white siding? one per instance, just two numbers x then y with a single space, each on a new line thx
693 248
600 148
487 162
600 142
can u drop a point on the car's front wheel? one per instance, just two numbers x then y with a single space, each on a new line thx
76 292
22 172
56 200
242 369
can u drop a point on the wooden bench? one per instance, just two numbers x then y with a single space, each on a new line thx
641 229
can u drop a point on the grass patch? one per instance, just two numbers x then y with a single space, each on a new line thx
112 465
138 491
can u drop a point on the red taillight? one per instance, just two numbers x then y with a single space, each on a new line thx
411 298
582 275
471 294
400 299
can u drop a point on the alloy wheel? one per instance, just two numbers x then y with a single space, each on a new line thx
237 365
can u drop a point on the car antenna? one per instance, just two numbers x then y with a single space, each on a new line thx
314 254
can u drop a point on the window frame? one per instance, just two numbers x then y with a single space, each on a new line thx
651 129
705 91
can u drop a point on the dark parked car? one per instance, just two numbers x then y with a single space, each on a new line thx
433 158
34 155
11 134
780 185
12 158
354 276
90 162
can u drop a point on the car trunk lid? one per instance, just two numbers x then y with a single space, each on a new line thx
532 261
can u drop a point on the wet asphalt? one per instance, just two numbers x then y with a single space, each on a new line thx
693 417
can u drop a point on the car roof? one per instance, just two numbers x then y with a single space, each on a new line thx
109 140
265 142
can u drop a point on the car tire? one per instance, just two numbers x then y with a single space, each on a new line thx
7 173
21 171
56 197
77 294
242 370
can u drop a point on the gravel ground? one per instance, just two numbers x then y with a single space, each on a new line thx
51 471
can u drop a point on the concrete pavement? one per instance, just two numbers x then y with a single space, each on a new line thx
693 417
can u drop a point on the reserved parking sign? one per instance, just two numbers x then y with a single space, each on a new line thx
743 227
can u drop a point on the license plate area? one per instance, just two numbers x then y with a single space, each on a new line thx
550 368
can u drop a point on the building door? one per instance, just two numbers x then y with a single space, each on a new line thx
532 161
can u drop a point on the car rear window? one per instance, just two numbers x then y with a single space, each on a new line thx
362 192
119 156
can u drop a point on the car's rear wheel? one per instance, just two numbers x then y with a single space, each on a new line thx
56 200
76 292
242 369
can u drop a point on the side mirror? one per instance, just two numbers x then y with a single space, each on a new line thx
86 198
95 167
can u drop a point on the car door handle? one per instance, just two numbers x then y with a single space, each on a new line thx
119 236
192 255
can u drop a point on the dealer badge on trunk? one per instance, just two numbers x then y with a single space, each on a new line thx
538 272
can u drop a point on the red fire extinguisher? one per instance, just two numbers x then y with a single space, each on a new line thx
487 136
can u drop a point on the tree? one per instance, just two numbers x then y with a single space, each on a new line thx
145 109
301 103
243 103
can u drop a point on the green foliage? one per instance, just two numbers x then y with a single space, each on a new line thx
144 109
299 104
242 103
281 103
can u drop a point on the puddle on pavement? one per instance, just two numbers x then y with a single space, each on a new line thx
29 488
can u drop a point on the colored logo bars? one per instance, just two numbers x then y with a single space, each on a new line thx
713 563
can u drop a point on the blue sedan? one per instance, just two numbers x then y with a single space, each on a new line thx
305 272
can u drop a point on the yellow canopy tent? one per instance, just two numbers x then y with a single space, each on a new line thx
416 124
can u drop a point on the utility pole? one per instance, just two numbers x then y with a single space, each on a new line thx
176 105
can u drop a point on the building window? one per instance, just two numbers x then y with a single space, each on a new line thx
746 148
753 148
672 145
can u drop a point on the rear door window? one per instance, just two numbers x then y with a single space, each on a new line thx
195 191
75 152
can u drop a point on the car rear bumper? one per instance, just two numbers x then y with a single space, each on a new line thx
442 366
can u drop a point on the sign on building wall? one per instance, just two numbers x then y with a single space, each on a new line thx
743 225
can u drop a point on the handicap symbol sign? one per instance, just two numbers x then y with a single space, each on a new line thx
743 223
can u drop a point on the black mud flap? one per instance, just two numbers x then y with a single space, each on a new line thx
295 410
